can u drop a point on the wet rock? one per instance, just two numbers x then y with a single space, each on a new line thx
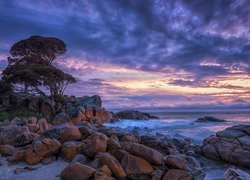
96 143
63 133
15 135
234 174
210 119
41 149
134 165
70 149
113 164
77 171
231 145
176 174
178 162
61 118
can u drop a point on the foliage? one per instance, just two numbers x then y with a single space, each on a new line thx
17 112
5 87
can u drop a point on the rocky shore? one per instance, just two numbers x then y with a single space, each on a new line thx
76 144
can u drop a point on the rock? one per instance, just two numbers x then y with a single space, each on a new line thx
80 158
210 119
7 150
48 160
136 166
78 117
61 118
103 115
119 154
34 128
178 162
46 110
96 164
176 174
145 152
41 149
25 169
63 133
113 143
157 175
134 115
18 122
42 122
15 135
230 145
32 120
18 156
80 108
94 101
129 137
85 131
96 143
77 171
89 112
70 149
234 174
113 164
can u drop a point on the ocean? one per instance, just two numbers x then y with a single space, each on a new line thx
182 124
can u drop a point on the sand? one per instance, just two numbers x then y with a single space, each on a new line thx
44 172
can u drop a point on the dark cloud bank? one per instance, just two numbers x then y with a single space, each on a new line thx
204 38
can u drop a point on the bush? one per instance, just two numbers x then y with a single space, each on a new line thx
18 112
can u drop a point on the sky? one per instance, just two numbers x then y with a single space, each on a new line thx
143 53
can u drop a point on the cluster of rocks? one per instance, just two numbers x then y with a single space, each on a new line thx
135 115
231 145
94 151
210 119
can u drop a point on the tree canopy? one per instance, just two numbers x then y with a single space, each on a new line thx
30 65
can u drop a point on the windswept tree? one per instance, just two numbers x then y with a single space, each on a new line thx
36 49
30 65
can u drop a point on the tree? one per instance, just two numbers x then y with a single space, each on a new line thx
30 65
36 49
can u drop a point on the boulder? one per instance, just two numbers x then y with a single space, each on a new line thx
145 152
61 118
70 149
234 174
210 119
103 173
176 174
96 143
113 164
157 174
94 101
231 145
136 166
41 149
129 137
64 132
89 112
78 117
15 135
18 122
119 154
134 115
86 131
178 162
42 122
48 160
7 150
103 115
35 128
80 158
32 120
113 143
77 171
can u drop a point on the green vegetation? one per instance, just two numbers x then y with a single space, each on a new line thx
18 112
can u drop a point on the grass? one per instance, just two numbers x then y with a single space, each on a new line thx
18 112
